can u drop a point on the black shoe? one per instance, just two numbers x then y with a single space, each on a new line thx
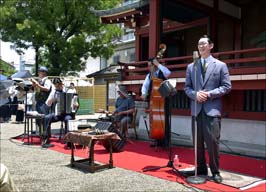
47 145
157 144
44 141
153 145
217 178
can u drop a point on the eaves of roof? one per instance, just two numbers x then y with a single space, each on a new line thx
122 9
111 70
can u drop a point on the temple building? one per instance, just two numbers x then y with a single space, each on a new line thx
237 29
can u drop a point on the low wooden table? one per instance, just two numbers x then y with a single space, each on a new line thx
89 139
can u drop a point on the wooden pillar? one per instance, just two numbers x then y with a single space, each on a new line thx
213 25
154 28
137 45
237 37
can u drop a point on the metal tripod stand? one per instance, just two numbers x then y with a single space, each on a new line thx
170 159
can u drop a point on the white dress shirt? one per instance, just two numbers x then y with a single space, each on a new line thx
146 84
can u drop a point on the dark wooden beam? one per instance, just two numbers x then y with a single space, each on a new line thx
249 85
174 26
121 17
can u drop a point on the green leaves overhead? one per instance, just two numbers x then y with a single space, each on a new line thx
66 31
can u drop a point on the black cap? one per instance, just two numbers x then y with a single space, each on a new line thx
57 80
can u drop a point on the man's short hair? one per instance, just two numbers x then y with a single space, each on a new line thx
207 37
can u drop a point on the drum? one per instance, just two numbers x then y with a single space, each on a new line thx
117 145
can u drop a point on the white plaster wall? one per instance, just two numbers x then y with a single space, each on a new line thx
245 131
234 130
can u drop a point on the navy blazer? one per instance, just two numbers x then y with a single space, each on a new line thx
216 82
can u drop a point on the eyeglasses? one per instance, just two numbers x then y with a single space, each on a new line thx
201 44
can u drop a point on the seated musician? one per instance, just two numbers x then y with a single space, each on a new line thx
54 117
125 107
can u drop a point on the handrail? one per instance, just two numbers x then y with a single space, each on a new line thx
240 51
135 70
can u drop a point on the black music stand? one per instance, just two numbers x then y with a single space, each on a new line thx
25 86
166 90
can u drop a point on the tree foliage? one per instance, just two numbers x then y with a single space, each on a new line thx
7 70
64 32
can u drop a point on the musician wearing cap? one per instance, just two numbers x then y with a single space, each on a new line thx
59 114
125 107
42 89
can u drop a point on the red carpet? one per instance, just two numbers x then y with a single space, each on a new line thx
137 155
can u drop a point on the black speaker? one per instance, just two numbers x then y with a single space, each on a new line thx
166 89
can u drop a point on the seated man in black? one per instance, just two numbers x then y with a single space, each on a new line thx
125 107
58 115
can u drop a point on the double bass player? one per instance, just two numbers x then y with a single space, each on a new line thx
159 71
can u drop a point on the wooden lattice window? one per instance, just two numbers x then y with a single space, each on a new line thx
255 100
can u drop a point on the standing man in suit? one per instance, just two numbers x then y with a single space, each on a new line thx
207 80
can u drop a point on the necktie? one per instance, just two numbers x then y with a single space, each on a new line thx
204 65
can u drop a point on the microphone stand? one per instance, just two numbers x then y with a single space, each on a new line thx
195 179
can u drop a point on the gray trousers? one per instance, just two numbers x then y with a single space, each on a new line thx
124 123
208 132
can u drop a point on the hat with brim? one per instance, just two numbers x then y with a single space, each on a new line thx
122 89
43 69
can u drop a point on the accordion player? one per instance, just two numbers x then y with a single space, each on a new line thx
64 106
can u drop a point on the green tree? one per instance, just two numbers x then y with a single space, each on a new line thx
64 33
6 69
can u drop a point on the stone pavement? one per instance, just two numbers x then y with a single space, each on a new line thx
36 169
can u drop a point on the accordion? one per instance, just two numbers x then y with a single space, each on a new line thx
65 103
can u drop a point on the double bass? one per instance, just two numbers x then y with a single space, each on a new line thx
157 103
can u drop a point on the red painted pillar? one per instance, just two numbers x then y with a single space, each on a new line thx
137 45
154 28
